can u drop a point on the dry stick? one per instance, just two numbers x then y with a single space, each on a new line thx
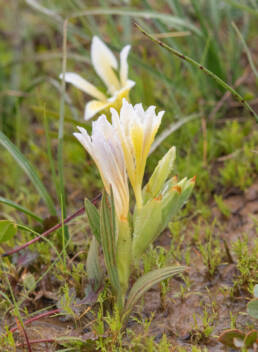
186 58
49 231
37 317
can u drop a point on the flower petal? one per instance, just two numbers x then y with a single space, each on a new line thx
136 129
105 148
104 62
93 107
124 65
84 85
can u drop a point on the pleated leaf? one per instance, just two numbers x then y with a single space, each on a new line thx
108 239
147 222
93 217
160 175
145 282
94 272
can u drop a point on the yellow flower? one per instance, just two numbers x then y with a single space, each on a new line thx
137 129
104 63
105 149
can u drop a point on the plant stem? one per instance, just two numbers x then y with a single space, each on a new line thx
37 317
46 233
223 84
60 161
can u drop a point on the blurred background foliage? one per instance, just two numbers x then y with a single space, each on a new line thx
217 138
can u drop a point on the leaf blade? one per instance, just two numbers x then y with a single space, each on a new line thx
93 217
20 208
108 234
29 170
7 230
148 280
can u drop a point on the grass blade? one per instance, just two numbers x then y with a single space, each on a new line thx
247 51
194 63
243 7
20 208
174 21
29 170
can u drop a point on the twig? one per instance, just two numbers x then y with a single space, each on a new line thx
46 233
171 34
37 317
19 326
49 231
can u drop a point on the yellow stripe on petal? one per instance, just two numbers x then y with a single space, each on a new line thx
94 107
137 141
104 61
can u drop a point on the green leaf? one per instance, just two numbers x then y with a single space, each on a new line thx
7 230
173 200
145 282
256 291
108 239
29 170
95 274
250 338
147 222
252 308
229 336
159 176
20 208
93 217
123 254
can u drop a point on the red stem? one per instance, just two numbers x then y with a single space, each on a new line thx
52 229
25 335
37 317
46 233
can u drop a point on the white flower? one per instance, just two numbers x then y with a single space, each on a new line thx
104 63
137 129
105 149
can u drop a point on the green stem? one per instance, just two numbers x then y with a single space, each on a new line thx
138 196
60 162
123 255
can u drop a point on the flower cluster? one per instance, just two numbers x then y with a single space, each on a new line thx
119 146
